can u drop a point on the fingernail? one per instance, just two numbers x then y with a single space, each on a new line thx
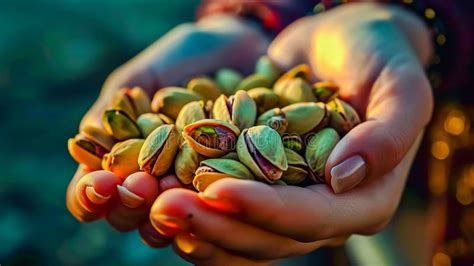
171 222
96 197
219 203
193 247
129 198
348 174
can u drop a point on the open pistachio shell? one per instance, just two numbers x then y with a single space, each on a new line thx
204 87
294 90
253 81
186 163
326 91
293 142
228 80
239 109
170 100
267 68
343 116
89 146
300 71
134 101
211 137
166 119
212 170
260 149
264 98
274 118
305 117
123 158
120 125
297 168
192 112
318 150
158 150
148 122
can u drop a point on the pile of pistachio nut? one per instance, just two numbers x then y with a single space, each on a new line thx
269 126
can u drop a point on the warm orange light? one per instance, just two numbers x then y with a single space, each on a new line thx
438 181
430 13
455 122
441 259
440 150
441 39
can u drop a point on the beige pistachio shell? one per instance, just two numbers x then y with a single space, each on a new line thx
228 80
318 150
123 158
274 118
326 91
204 87
293 142
203 137
269 152
267 68
148 122
186 163
343 117
264 98
294 90
215 169
192 112
158 150
297 168
89 146
243 112
134 101
253 81
305 117
170 100
120 125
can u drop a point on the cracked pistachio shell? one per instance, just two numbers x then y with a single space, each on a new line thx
192 112
253 81
212 170
228 80
89 146
204 87
267 68
274 118
293 142
120 125
158 150
297 168
318 150
264 98
148 122
295 90
300 71
343 117
261 150
305 117
239 109
211 137
123 158
134 101
186 163
170 100
326 91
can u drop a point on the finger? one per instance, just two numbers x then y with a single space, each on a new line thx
312 213
91 195
135 197
151 237
169 182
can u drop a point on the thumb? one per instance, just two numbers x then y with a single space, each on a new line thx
400 106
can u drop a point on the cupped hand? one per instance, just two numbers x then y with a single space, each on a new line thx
186 51
376 54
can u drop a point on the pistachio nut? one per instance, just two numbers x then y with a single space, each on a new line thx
170 100
318 150
267 68
89 146
212 170
274 118
186 163
264 98
231 156
343 117
239 109
305 117
228 80
293 142
123 158
158 150
204 87
120 125
294 90
148 122
211 137
300 71
193 112
261 150
297 168
326 91
134 101
253 81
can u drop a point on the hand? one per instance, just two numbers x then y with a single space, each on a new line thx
376 53
186 51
